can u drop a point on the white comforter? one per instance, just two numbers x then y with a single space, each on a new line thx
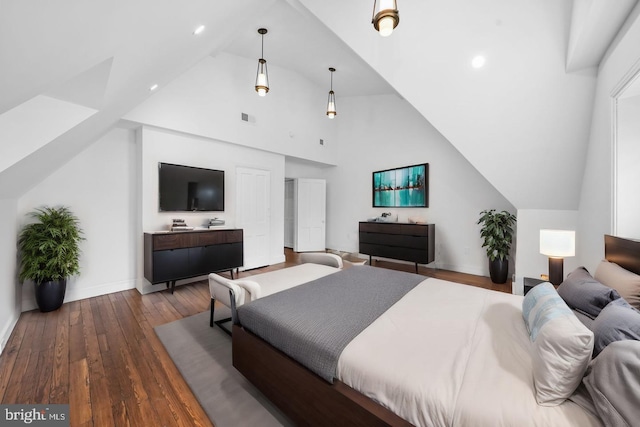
453 355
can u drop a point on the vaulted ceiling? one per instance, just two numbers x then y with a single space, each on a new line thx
70 69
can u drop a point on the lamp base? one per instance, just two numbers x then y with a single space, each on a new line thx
556 273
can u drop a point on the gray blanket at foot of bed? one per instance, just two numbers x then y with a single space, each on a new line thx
314 322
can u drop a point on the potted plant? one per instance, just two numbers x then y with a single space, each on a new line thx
49 254
497 232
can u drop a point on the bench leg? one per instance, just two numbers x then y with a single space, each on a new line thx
211 319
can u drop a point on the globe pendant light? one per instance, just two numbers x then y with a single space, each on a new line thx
385 16
331 103
262 78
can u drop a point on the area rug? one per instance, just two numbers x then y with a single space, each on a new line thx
203 356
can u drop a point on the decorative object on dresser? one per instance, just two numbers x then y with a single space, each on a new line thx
406 242
497 232
406 187
184 254
215 222
557 244
179 225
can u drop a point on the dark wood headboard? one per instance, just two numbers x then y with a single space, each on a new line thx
624 252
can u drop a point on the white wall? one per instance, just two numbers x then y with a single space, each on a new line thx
296 168
628 172
384 132
595 212
9 287
98 185
208 100
158 145
529 261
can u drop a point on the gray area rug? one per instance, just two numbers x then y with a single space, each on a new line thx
203 357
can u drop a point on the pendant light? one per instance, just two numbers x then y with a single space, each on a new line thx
385 16
331 103
262 78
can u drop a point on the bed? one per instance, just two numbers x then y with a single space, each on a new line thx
423 361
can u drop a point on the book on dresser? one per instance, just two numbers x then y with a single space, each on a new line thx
402 241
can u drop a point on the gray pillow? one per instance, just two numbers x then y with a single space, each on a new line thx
585 294
617 321
613 383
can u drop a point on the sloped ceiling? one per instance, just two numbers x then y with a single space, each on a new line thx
104 54
521 120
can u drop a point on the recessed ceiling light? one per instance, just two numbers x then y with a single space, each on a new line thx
198 30
153 87
478 61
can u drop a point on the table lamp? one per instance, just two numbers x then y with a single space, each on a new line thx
557 244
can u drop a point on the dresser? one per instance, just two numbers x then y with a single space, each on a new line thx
406 242
170 256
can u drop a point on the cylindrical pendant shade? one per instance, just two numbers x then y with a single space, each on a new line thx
331 105
331 102
385 16
262 78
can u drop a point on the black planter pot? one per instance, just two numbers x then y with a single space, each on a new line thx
50 294
499 270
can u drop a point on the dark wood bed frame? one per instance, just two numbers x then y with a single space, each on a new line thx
624 252
304 397
309 400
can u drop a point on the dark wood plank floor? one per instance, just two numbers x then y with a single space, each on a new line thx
102 356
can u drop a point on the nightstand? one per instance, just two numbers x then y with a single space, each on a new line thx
530 282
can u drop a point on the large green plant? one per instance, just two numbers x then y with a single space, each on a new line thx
497 232
49 248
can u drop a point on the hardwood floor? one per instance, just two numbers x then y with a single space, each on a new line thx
101 355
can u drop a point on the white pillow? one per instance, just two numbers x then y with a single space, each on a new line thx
562 345
624 281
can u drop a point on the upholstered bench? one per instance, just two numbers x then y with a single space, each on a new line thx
234 293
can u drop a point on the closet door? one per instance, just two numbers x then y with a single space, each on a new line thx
289 213
253 214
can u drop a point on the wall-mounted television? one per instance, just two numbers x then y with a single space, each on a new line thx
187 188
405 187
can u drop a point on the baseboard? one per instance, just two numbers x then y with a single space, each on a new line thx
6 332
476 271
76 294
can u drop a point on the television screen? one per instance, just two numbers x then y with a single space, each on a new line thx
406 187
186 188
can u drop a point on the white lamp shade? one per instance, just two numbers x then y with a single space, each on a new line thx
558 243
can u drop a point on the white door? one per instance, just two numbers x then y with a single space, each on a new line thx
310 215
289 213
252 214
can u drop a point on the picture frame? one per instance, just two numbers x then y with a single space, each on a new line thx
404 187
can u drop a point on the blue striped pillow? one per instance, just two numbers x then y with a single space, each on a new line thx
540 305
561 345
